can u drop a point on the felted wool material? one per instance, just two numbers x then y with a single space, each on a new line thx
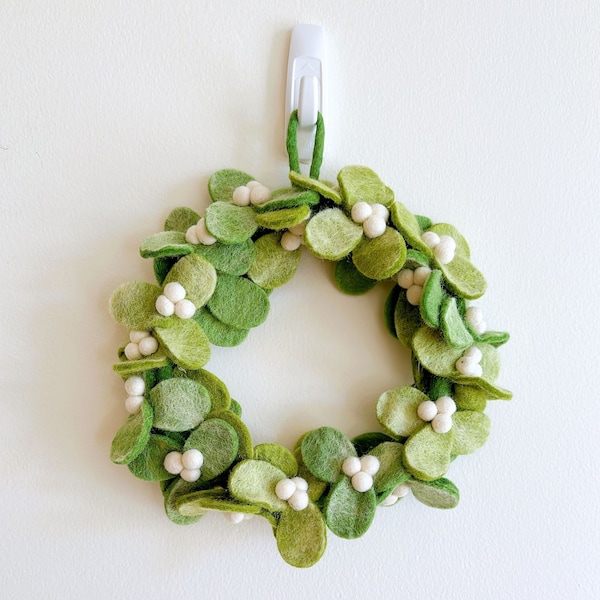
181 219
301 536
218 332
286 199
218 442
424 222
244 437
273 265
185 343
349 513
197 276
278 456
178 489
229 223
361 184
148 465
316 487
199 502
389 309
407 320
397 410
233 259
331 235
471 431
322 188
217 390
453 326
222 184
463 278
427 453
432 298
440 493
380 257
365 442
284 218
391 471
415 259
439 387
162 265
494 338
467 397
133 305
166 243
323 452
132 437
408 226
133 367
292 145
254 481
179 404
235 408
239 302
350 280
462 247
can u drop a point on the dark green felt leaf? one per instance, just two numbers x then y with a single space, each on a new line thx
132 436
408 226
233 259
440 493
349 513
380 257
217 390
391 470
162 265
181 219
278 456
283 218
148 465
286 198
407 320
494 338
301 536
323 452
133 305
361 184
254 481
397 410
222 184
432 298
463 278
132 367
389 310
427 453
214 499
453 326
197 276
185 343
243 433
471 431
365 442
331 235
350 280
274 265
229 223
177 490
424 222
218 332
322 188
166 243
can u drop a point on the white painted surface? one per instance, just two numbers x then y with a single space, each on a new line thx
483 114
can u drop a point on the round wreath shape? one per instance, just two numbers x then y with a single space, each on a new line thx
215 274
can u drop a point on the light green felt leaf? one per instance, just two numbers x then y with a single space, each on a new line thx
273 265
283 218
415 259
453 326
197 276
380 257
179 404
361 184
243 433
432 298
218 332
181 219
397 410
350 280
133 305
391 470
331 235
440 493
148 465
166 243
254 481
494 338
215 499
233 259
301 536
424 222
316 487
462 247
427 453
222 184
235 408
467 397
349 513
185 343
177 490
407 320
132 367
320 187
389 310
463 278
288 198
239 302
218 442
217 390
278 456
323 452
229 223
132 436
471 431
408 226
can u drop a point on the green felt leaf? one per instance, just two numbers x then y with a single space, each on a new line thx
181 219
219 333
323 452
273 265
380 257
453 326
177 490
218 442
254 481
316 487
471 431
197 276
407 320
409 227
322 188
432 298
245 439
217 390
229 223
397 410
391 470
424 222
239 302
301 536
361 184
462 247
494 338
440 493
199 502
350 280
415 259
283 218
288 198
222 184
427 453
331 235
162 265
166 243
235 408
179 404
463 278
349 513
132 436
278 456
389 310
439 387
233 259
185 343
365 442
132 367
133 305
148 465
467 397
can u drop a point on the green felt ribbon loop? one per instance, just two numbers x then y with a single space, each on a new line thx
292 145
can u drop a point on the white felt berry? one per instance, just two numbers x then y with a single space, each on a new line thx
172 463
362 482
135 386
369 464
400 491
290 241
406 278
185 309
444 251
442 423
260 194
421 275
351 466
148 346
285 489
427 410
473 352
475 319
174 291
132 351
191 235
361 211
241 195
298 500
301 483
234 517
414 294
389 501
298 229
164 306
445 405
190 475
430 239
380 210
252 184
137 336
203 234
192 459
133 403
468 367
374 227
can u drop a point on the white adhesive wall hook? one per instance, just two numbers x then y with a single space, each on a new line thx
304 90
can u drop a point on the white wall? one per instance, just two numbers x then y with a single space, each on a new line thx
483 114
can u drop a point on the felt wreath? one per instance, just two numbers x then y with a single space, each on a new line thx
215 274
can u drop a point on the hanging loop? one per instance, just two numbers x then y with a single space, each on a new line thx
292 145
